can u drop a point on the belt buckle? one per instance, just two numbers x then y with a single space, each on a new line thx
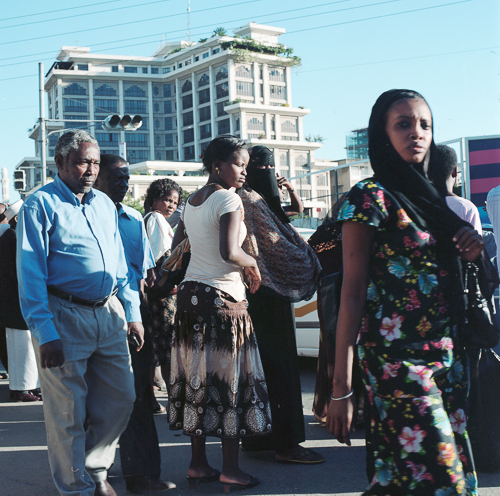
98 303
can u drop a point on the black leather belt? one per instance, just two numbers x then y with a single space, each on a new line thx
59 293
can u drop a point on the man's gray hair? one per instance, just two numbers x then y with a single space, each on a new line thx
70 141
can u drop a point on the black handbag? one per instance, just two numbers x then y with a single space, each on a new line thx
480 325
329 290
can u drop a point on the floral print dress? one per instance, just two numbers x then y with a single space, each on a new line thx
412 368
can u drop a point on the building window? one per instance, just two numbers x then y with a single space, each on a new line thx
204 80
284 159
136 156
135 106
204 114
237 124
215 50
107 106
136 139
187 86
169 155
187 62
114 68
75 105
105 90
154 70
277 74
187 102
204 96
169 123
289 126
131 70
305 194
74 89
83 67
223 127
277 92
144 125
220 109
244 71
189 152
165 70
321 180
205 131
221 73
255 123
244 88
135 91
157 140
187 119
168 107
144 70
53 140
197 58
157 124
169 140
205 55
167 90
222 90
188 135
156 107
300 160
107 139
180 65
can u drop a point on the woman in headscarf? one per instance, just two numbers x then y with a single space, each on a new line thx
402 293
290 271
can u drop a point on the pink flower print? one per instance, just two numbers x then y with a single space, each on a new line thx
407 241
413 299
411 439
422 375
408 307
416 253
419 472
446 455
391 328
390 370
423 402
404 220
367 202
423 235
443 273
443 344
458 421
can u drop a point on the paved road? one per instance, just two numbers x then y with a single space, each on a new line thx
24 469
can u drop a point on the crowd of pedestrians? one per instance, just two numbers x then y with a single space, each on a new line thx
90 315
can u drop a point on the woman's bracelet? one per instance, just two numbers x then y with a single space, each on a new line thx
342 397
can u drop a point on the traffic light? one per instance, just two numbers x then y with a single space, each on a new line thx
19 180
125 122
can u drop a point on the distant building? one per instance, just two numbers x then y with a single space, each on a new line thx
357 144
189 93
347 174
5 185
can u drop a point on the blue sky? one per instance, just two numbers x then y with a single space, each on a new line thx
351 50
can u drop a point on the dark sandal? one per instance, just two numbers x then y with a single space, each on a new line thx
194 481
227 486
307 457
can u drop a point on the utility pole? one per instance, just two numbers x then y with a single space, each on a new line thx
41 120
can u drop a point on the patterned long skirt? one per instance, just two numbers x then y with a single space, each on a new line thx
418 425
217 384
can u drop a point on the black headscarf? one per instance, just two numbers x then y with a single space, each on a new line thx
416 194
264 181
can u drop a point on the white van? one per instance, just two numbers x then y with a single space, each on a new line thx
306 318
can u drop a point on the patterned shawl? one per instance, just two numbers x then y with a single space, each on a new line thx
288 265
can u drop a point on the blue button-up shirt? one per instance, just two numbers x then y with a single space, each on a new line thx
71 245
135 242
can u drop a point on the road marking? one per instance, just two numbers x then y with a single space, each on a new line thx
305 309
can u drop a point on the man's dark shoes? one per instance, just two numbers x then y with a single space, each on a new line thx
24 396
103 488
147 485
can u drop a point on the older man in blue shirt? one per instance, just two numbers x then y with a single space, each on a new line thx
77 300
139 450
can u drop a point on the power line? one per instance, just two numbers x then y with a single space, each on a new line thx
379 17
121 24
179 30
84 14
60 10
318 27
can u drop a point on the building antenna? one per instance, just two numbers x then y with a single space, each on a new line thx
188 20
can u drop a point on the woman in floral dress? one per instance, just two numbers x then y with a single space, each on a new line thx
401 249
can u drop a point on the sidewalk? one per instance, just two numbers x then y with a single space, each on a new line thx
24 469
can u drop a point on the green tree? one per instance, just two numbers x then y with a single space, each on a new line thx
220 32
130 202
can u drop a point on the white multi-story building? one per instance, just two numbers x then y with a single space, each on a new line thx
187 94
